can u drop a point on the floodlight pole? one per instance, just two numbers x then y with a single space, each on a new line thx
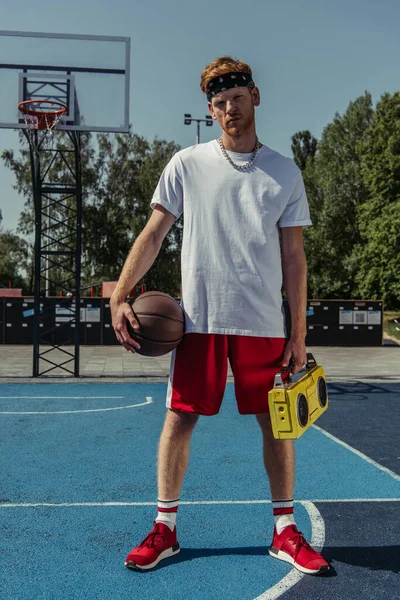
189 119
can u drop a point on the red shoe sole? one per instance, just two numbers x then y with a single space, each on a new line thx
166 554
275 553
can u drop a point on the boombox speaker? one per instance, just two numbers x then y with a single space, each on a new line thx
297 402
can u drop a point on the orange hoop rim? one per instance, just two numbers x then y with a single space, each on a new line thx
24 108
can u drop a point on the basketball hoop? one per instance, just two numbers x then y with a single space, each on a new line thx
42 114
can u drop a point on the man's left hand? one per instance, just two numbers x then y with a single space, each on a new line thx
295 349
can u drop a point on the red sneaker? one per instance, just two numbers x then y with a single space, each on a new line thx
291 547
160 543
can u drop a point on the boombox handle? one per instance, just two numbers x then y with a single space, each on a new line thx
310 364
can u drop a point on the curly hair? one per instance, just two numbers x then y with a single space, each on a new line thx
221 66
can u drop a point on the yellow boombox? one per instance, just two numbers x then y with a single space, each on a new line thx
296 404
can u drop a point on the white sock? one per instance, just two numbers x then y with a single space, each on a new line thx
283 514
282 521
167 511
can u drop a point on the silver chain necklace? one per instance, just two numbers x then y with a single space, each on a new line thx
247 165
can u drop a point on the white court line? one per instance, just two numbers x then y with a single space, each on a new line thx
57 397
317 542
332 378
317 535
193 503
149 400
293 577
358 453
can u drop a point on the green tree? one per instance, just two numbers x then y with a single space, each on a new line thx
13 259
128 170
378 253
57 218
119 175
335 188
304 146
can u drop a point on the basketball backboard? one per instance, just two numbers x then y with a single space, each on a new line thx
87 73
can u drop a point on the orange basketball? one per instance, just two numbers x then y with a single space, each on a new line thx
161 323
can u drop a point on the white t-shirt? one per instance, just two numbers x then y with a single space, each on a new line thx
231 259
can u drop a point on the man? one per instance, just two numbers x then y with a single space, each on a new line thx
237 195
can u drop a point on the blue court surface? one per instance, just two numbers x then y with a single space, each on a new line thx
78 491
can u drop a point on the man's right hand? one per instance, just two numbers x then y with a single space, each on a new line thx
121 313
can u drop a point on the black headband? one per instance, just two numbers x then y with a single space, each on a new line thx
228 81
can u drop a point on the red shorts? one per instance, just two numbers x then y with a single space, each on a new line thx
199 368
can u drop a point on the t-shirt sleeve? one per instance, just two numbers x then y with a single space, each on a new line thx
169 190
297 211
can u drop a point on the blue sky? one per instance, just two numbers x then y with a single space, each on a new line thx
310 58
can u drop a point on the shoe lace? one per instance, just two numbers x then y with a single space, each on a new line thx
153 540
301 542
